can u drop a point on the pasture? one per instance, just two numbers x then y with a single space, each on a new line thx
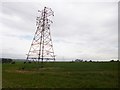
60 75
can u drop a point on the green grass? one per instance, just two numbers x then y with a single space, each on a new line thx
60 75
0 75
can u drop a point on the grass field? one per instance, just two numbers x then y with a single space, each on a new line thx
0 75
60 75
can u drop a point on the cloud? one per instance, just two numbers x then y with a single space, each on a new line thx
85 30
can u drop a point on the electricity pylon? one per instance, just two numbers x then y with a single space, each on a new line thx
41 47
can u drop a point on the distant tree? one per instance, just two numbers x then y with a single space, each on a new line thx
85 60
72 61
6 60
78 60
117 60
112 61
90 61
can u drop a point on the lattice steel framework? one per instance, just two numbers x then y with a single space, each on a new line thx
41 47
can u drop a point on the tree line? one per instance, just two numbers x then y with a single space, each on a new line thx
7 60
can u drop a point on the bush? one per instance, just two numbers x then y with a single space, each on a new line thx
24 62
29 62
13 62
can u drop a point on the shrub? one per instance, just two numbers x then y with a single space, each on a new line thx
13 62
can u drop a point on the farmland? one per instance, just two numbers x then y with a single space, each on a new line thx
60 75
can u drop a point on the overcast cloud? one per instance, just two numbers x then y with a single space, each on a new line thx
86 30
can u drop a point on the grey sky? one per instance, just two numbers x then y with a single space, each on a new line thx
86 30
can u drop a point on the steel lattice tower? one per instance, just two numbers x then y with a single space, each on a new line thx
41 47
